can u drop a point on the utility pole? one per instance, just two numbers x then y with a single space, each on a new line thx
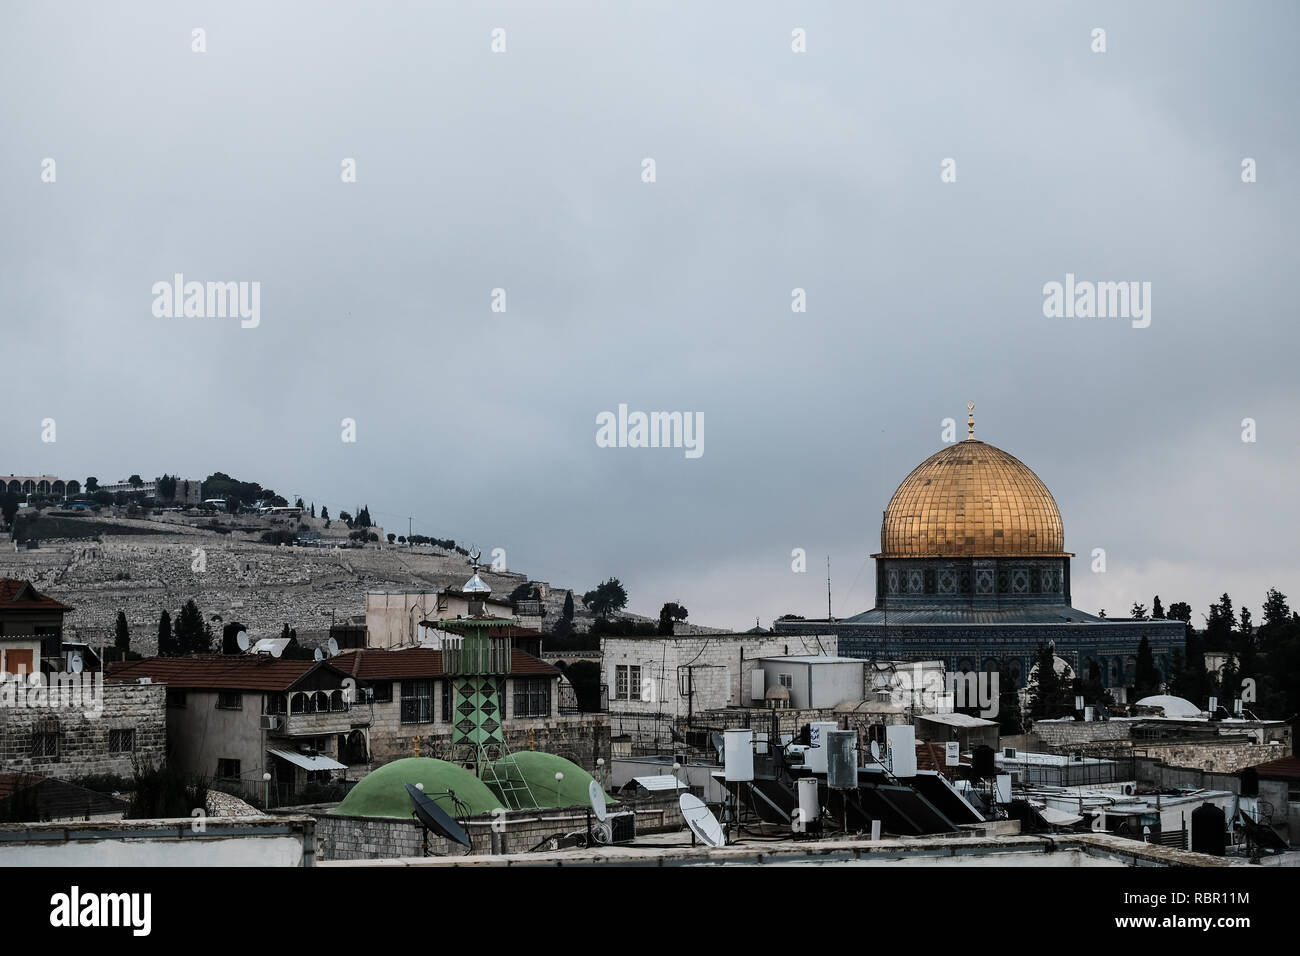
408 532
829 618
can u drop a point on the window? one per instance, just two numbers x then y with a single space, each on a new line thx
446 701
627 682
45 746
383 692
175 698
532 697
121 741
230 700
277 704
785 680
417 701
336 700
227 769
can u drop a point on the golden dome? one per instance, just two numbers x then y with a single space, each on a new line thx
971 500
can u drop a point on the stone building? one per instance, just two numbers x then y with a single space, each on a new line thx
58 715
654 683
233 719
408 702
972 570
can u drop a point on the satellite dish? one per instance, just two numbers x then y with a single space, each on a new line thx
333 646
75 662
318 654
701 820
435 818
242 640
276 649
597 797
875 751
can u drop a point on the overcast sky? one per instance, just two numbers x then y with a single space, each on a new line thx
775 170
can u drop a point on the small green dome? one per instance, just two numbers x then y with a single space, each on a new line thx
382 792
539 771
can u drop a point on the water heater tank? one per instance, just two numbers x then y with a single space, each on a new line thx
809 804
842 760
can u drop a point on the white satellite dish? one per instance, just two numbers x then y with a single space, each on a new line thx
333 645
701 820
597 797
242 640
74 662
319 654
276 649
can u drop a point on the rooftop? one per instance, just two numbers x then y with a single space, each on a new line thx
16 595
219 672
419 662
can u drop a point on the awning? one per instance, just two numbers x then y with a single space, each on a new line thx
661 782
312 762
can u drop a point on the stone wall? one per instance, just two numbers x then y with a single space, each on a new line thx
1224 755
1072 734
368 838
84 736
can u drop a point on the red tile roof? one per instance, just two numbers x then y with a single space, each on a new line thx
421 662
217 672
1287 768
18 595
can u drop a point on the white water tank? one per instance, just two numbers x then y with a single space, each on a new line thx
902 749
809 804
815 758
738 755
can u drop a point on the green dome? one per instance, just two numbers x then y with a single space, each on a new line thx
539 771
382 792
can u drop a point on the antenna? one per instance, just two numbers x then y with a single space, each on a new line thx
829 617
242 640
597 797
701 820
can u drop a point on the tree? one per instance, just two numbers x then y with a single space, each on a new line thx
1091 687
401 539
1138 611
1050 696
193 635
1157 609
92 485
345 518
391 537
167 488
1247 627
564 626
363 517
608 597
669 614
122 640
324 513
1010 720
1146 679
313 509
299 505
166 641
9 506
135 481
1276 611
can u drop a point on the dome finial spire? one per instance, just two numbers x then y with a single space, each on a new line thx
970 422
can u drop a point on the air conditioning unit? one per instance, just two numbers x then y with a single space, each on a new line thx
615 828
270 721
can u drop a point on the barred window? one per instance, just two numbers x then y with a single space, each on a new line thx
532 697
230 700
417 701
383 692
121 741
45 746
276 704
627 682
446 701
227 768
